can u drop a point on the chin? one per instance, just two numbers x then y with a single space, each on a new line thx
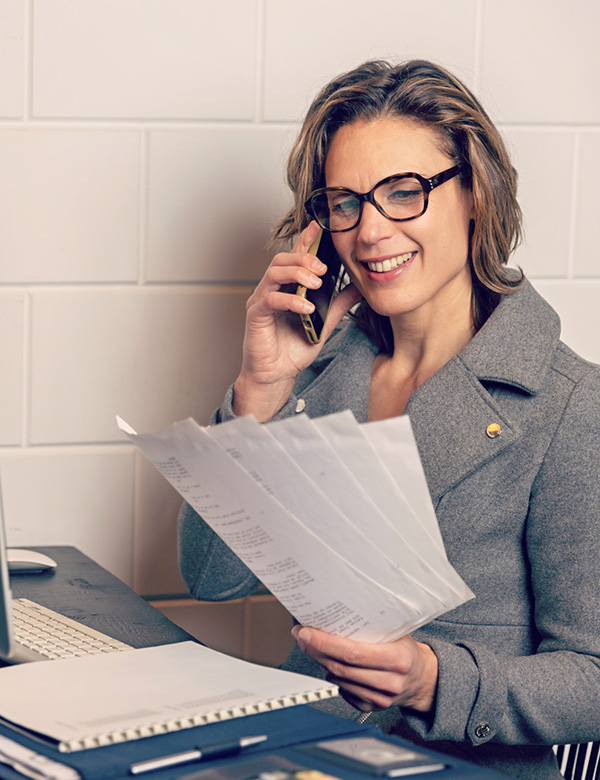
389 308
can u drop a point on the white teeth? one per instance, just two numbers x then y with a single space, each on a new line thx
388 265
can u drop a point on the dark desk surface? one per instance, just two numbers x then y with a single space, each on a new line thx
81 589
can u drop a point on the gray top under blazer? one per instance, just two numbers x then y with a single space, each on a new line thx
519 514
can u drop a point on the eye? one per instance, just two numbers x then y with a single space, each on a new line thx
403 192
343 205
400 198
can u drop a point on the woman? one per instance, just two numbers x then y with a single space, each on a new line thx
505 417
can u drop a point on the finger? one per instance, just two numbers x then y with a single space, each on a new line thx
284 301
382 683
277 276
328 648
262 312
296 267
306 238
278 291
360 704
378 689
323 646
285 274
363 699
340 306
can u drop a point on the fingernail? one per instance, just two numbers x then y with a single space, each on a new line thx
301 634
311 280
304 635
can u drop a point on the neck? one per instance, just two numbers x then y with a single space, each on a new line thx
429 337
418 353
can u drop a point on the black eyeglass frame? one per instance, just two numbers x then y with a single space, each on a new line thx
427 186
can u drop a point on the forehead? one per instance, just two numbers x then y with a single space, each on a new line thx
364 152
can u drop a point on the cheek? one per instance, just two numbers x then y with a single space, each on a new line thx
350 270
344 247
452 237
340 241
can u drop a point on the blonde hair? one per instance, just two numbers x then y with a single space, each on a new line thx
430 95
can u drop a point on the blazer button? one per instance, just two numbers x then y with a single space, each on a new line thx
300 405
493 430
482 731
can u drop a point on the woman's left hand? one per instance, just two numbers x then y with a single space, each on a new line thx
375 676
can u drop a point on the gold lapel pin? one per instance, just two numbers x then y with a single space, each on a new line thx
493 430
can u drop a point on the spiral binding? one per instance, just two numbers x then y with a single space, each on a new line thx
156 729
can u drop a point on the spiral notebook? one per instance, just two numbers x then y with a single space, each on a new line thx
81 703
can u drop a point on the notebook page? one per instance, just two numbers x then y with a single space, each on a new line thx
98 700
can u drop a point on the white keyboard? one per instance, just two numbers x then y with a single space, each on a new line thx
55 636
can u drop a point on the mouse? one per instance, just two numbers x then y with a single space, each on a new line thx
28 561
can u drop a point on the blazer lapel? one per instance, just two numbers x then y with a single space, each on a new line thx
452 411
451 415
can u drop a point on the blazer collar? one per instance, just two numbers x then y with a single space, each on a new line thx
516 345
452 411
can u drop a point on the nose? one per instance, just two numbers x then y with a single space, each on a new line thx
373 226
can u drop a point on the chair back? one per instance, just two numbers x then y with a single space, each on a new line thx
579 762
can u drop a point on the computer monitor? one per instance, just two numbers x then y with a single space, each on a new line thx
6 626
10 651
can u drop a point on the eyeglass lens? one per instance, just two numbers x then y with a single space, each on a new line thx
401 198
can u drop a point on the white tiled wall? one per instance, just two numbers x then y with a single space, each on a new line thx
124 265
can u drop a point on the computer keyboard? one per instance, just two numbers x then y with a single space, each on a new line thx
53 635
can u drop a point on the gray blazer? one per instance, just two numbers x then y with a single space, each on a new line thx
519 514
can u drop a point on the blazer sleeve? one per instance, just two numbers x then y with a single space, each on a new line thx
553 695
210 569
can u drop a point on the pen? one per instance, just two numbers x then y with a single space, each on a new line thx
217 750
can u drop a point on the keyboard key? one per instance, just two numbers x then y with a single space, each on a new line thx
55 636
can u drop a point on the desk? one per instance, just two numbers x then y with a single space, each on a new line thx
84 591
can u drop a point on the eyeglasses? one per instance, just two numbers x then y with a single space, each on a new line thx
400 197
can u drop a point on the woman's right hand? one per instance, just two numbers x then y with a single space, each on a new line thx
275 348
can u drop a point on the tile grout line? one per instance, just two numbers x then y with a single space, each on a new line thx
478 47
574 207
28 64
143 206
135 520
27 370
259 86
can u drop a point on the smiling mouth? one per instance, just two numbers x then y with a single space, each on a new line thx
390 263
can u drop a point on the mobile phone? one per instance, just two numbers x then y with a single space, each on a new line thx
313 323
374 756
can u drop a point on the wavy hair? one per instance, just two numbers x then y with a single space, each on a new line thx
427 94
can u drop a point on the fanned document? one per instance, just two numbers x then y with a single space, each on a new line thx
334 517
